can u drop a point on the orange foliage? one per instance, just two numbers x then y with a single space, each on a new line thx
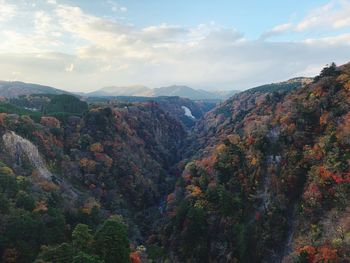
88 165
310 250
326 254
319 92
324 118
96 147
194 191
327 175
322 254
347 86
40 206
50 122
135 257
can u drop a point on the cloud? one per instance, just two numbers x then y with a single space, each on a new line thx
277 30
332 16
116 7
70 68
7 11
64 46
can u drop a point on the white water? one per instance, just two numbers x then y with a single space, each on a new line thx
18 147
188 112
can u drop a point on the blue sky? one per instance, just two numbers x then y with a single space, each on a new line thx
85 45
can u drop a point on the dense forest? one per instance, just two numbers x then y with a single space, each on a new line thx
262 177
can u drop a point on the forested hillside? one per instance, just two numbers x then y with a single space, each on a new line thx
269 180
262 177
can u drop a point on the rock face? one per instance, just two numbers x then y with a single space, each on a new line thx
20 148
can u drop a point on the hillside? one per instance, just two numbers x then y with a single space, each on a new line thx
109 161
261 177
10 89
268 180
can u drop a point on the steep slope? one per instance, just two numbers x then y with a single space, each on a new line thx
10 89
268 178
109 161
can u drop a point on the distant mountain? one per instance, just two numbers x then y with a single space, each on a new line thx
136 90
11 89
185 92
175 90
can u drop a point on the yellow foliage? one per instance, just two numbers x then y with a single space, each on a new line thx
89 205
6 170
221 148
194 191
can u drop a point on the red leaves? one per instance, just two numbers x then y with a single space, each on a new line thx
310 250
319 254
338 179
135 257
250 140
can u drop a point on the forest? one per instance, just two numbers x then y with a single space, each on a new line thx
262 177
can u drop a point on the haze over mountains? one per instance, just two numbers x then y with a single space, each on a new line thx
174 90
10 89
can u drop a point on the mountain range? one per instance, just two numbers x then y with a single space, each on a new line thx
175 90
14 89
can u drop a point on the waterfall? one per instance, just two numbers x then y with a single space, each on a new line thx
18 147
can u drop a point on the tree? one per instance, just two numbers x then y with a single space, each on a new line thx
111 241
82 238
81 257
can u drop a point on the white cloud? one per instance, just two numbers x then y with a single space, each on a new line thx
332 16
64 46
116 7
70 68
52 2
277 30
7 11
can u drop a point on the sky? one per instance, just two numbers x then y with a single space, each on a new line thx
84 45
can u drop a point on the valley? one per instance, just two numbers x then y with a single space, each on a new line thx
262 176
